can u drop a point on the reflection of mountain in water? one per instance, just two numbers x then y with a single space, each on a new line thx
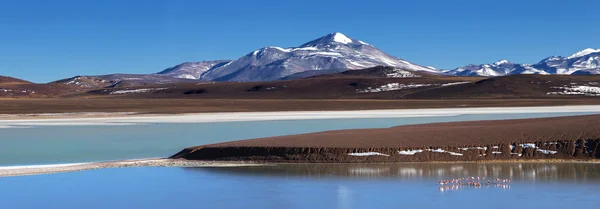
515 171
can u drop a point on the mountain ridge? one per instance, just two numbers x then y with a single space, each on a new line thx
586 61
332 51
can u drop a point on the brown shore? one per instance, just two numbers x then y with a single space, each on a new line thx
558 138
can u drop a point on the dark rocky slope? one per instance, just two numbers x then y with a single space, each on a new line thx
575 137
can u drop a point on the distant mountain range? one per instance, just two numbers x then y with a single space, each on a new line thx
336 52
583 62
332 53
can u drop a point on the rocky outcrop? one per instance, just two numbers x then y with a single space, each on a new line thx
575 149
576 137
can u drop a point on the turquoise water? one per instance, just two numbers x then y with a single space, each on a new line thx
343 186
71 144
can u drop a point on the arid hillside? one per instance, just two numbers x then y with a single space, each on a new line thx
574 137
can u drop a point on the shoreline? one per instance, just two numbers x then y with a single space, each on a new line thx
28 170
14 171
132 118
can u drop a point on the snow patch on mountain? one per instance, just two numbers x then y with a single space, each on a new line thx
399 73
583 53
130 91
192 70
392 87
341 38
501 62
577 90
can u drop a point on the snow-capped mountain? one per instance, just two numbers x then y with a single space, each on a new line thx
333 51
586 61
500 68
192 70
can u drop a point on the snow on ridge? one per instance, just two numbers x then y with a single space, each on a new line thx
577 90
332 54
356 64
129 91
548 152
528 145
290 49
533 146
398 73
392 87
409 152
455 83
501 62
363 154
431 67
186 76
468 148
400 86
279 48
17 90
583 53
440 150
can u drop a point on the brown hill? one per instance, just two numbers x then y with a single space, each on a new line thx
120 80
378 83
10 80
17 88
515 86
355 84
375 83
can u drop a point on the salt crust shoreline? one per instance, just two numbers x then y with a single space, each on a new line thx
72 119
8 171
26 170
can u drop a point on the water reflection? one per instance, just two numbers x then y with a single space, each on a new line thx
452 188
344 198
426 171
473 182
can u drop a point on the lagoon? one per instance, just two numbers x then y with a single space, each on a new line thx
75 144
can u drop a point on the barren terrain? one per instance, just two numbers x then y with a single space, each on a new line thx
573 137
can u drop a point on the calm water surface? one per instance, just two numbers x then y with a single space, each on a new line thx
70 144
343 186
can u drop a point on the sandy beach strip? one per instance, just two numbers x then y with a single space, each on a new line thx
26 170
11 121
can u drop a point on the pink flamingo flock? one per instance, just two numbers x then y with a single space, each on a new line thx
476 182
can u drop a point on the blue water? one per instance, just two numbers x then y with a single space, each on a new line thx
71 144
537 185
343 186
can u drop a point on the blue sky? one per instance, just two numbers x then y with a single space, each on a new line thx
44 40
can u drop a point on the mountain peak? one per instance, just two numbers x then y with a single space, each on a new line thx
583 53
501 62
341 38
333 38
